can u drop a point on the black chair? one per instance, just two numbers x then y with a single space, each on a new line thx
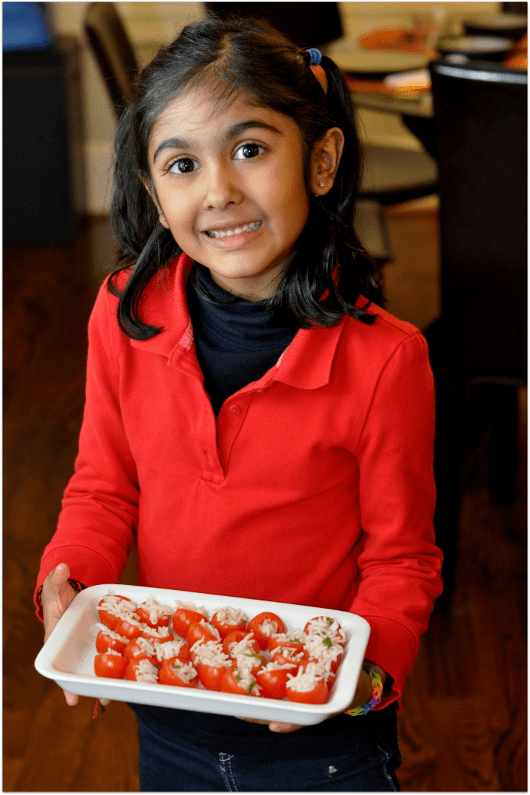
113 51
478 345
312 24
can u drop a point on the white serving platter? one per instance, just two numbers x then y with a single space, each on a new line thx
67 657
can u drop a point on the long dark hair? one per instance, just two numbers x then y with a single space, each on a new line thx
245 55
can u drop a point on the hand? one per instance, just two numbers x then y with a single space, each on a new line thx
57 594
363 693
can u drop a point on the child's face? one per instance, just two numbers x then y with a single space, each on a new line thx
230 186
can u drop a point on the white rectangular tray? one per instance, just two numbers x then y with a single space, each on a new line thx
68 658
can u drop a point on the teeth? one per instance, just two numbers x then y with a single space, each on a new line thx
237 231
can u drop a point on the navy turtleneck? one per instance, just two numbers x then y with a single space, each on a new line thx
236 340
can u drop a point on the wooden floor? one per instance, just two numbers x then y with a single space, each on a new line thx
463 727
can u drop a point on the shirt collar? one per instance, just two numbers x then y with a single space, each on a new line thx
306 363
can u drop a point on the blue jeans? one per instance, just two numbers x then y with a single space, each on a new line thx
172 764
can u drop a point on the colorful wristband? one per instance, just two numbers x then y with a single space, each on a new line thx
377 693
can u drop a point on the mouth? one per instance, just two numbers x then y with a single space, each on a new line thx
233 232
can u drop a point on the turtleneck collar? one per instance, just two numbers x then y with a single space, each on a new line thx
230 321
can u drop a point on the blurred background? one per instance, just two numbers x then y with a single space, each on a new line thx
440 96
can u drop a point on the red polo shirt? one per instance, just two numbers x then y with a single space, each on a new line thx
314 486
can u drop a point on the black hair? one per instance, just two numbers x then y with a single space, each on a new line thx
245 55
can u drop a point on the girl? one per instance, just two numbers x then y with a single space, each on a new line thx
255 424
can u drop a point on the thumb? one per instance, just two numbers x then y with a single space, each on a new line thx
60 574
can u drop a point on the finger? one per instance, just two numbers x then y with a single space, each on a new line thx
71 698
104 702
60 574
283 728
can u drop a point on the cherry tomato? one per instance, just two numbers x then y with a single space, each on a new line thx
129 627
283 656
183 653
230 683
334 665
328 623
144 614
211 676
109 618
183 617
110 665
224 628
155 635
198 631
318 695
133 668
107 640
275 642
135 649
236 637
169 674
264 625
252 660
273 683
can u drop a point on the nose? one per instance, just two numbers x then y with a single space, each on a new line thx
221 187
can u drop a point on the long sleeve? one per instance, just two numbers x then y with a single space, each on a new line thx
96 526
398 561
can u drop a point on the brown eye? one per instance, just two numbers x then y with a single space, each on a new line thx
184 165
248 151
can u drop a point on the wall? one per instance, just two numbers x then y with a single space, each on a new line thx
151 25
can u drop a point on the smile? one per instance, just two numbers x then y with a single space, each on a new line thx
238 230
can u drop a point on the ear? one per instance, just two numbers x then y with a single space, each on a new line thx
150 188
325 159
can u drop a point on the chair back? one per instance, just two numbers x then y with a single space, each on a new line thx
113 51
308 24
481 131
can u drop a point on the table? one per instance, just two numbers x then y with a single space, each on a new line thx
415 108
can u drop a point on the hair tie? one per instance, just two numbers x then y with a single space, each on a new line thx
315 58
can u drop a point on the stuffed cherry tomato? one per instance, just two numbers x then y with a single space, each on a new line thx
211 675
324 625
176 649
110 664
307 688
142 669
229 619
276 642
238 641
178 674
236 681
156 634
113 607
249 660
154 614
201 631
273 681
183 617
283 656
140 647
107 639
264 625
129 627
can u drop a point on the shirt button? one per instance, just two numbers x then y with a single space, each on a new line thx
235 409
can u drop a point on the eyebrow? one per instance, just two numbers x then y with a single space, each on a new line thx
237 129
